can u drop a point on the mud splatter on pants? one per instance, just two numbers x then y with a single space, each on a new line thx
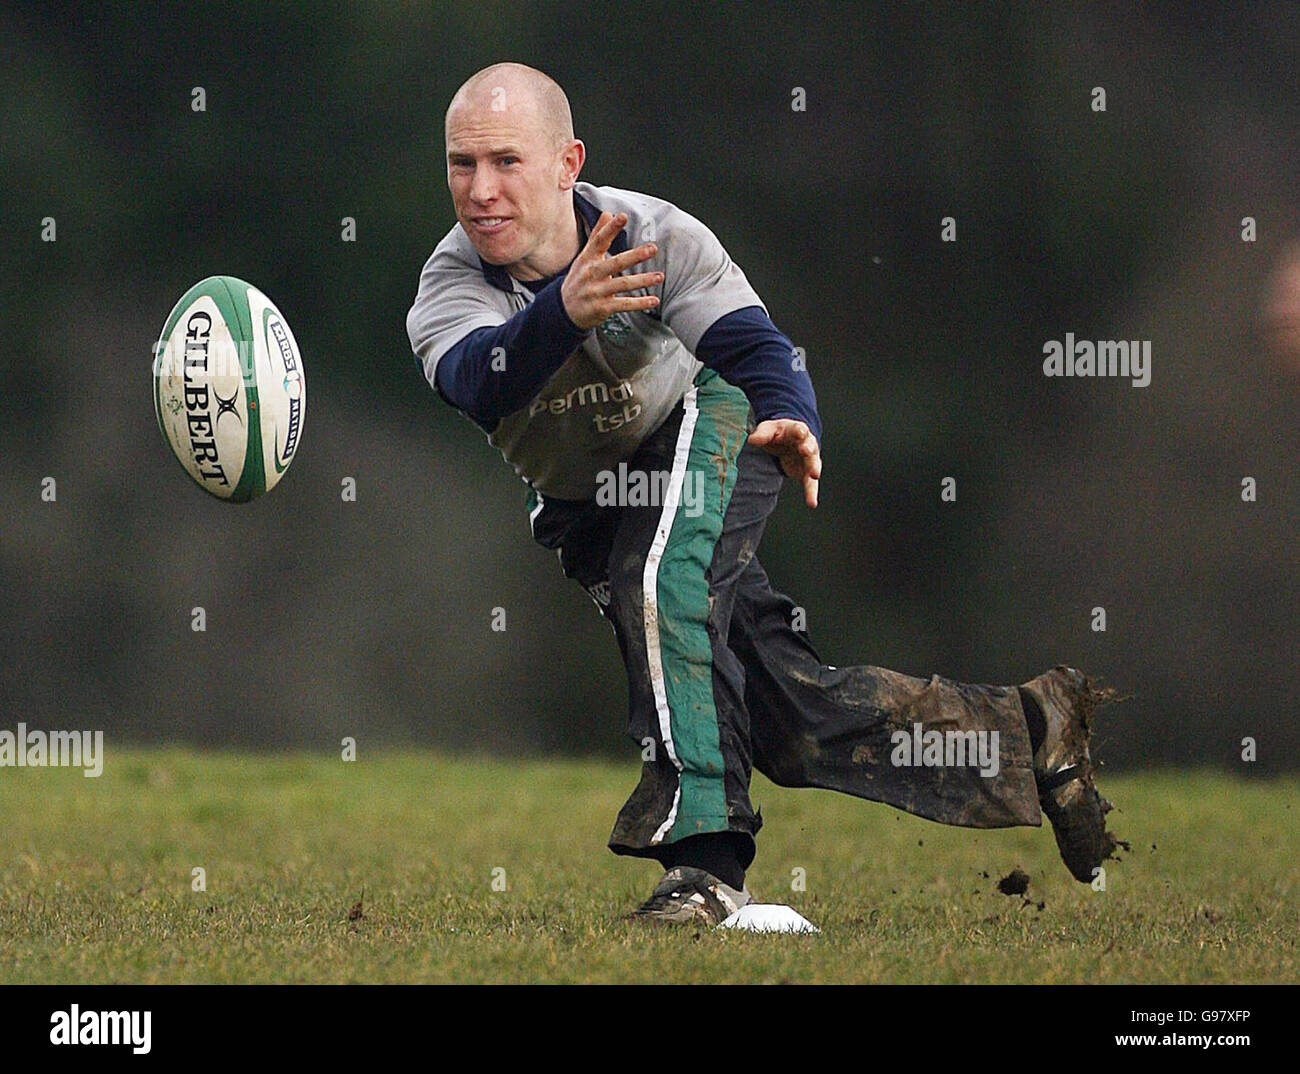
720 680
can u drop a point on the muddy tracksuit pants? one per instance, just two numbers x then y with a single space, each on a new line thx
719 679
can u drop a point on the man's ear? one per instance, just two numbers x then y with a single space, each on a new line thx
572 158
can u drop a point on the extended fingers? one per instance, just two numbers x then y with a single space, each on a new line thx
631 283
602 235
810 491
628 258
630 303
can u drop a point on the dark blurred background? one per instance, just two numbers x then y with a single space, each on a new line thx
374 618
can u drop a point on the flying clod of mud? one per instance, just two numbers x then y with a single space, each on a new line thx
1015 882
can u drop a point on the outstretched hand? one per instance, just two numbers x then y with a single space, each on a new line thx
793 443
594 288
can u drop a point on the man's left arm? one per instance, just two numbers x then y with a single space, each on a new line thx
746 349
710 306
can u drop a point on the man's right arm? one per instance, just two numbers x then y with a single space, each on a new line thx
488 368
493 371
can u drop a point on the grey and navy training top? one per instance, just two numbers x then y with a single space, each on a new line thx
562 404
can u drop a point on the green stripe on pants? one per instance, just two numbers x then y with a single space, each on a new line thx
677 597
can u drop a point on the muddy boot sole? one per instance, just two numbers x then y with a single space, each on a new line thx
1067 794
1078 817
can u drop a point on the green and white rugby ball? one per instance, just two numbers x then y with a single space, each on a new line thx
229 390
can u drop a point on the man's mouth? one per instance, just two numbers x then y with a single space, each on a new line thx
489 224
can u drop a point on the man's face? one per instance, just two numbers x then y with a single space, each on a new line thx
507 182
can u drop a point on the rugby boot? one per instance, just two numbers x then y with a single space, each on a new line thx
686 895
1063 771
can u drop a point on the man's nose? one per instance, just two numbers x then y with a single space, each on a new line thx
482 188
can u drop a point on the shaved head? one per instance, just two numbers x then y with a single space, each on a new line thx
512 162
525 92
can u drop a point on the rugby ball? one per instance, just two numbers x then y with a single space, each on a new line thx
228 388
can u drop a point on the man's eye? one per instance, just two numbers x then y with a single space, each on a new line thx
509 160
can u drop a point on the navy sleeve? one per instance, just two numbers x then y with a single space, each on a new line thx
535 341
746 349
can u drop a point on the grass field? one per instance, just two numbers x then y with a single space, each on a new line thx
95 880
